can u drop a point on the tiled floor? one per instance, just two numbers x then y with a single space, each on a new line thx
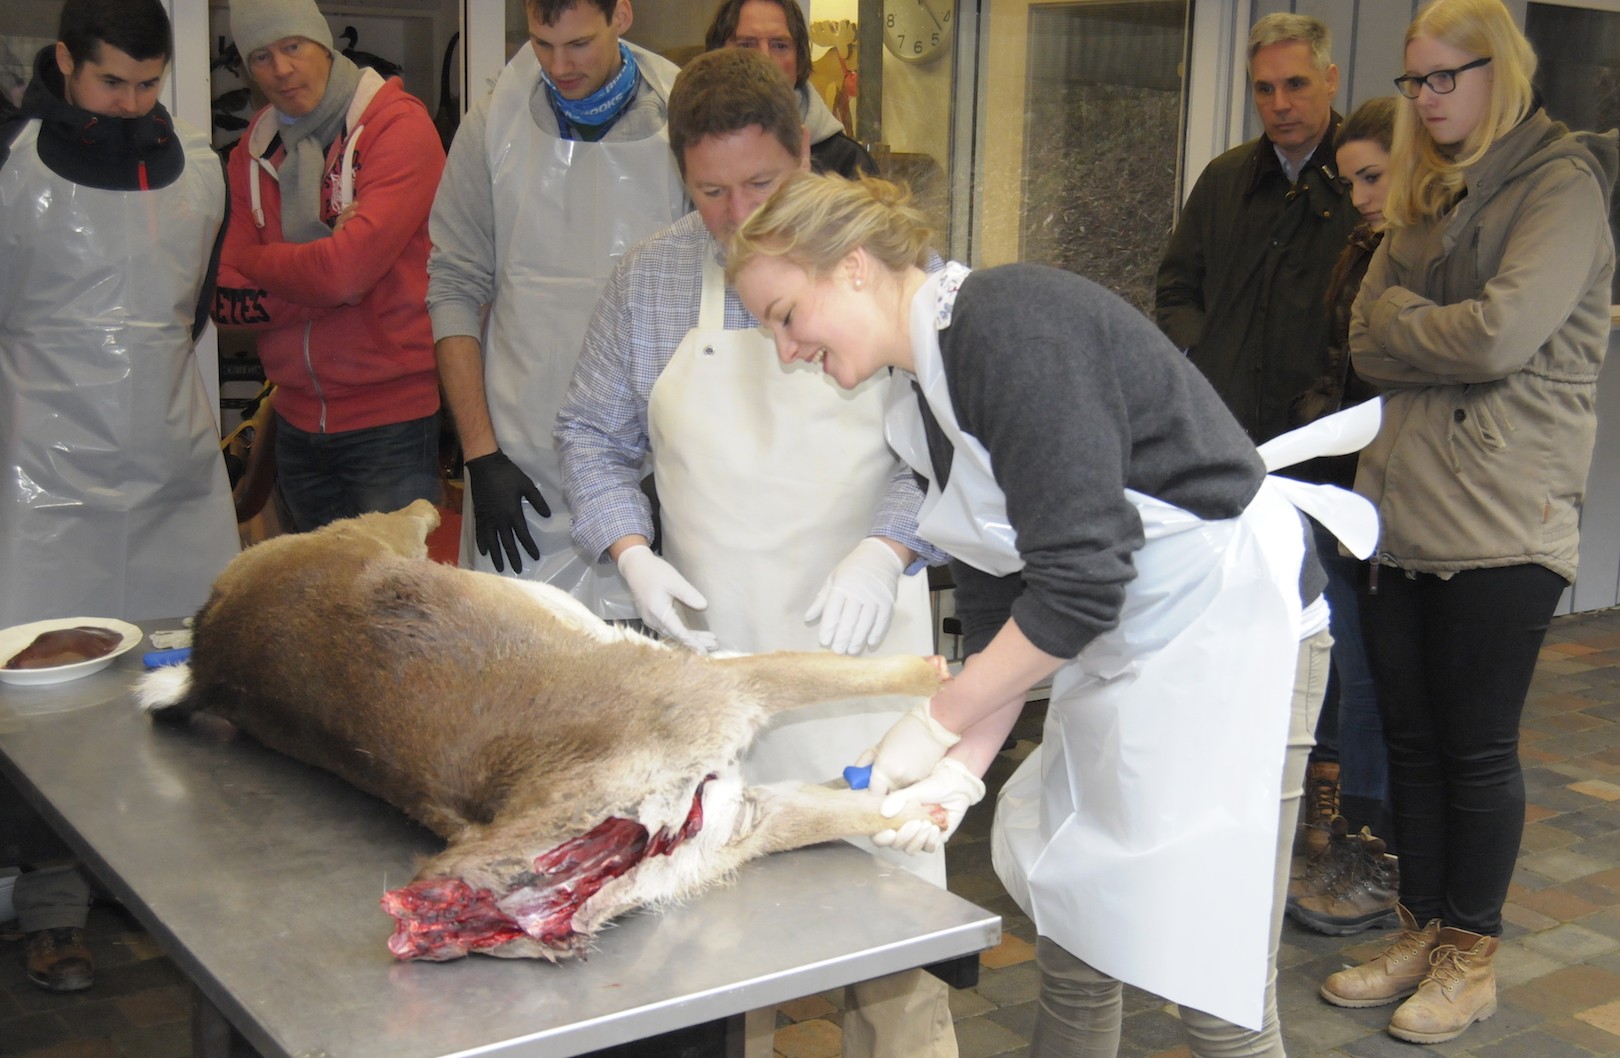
1558 970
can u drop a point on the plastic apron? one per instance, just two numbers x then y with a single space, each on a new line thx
768 475
117 503
567 211
1154 794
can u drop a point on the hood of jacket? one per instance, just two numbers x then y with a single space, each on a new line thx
816 116
110 154
1537 140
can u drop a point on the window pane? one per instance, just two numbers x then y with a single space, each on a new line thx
1579 73
1102 132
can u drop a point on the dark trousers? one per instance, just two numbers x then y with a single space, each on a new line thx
327 476
1452 660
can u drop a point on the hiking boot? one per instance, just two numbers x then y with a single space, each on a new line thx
1317 809
1360 894
1318 872
1395 973
59 961
1460 990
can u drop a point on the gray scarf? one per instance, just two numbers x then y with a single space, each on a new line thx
306 140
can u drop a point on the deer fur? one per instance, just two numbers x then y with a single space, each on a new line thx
508 719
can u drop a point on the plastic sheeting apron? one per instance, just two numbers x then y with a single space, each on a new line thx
567 210
117 502
1153 796
768 475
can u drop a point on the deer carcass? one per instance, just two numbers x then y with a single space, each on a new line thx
576 769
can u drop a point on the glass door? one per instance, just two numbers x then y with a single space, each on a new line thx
1079 138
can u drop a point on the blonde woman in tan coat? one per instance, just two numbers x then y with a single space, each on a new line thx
1483 318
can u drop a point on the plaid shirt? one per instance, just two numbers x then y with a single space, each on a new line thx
645 311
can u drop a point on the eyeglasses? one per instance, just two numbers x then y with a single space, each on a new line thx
1440 82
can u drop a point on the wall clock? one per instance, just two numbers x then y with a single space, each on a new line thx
917 30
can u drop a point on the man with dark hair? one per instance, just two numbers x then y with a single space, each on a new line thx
777 29
326 260
552 177
781 501
115 501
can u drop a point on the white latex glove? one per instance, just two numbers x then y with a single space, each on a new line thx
951 786
656 585
908 751
856 601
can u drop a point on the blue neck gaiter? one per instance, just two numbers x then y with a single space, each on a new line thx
602 106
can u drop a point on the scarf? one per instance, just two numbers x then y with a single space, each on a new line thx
602 106
303 170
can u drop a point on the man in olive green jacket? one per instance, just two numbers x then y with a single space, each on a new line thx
1242 284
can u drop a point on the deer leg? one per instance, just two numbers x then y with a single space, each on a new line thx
789 680
791 815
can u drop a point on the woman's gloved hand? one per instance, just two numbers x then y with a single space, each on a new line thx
950 786
856 602
655 585
499 488
908 751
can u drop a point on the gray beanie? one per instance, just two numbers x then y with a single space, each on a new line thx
258 24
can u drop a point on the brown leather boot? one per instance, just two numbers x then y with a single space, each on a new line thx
1360 895
1322 868
1394 974
59 960
1460 990
1316 811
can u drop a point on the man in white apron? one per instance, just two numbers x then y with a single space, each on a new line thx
550 180
786 521
115 501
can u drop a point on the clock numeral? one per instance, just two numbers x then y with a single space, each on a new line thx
916 48
945 16
888 20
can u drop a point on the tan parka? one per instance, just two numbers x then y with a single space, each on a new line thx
1485 328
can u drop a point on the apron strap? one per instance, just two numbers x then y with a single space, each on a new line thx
1349 517
712 311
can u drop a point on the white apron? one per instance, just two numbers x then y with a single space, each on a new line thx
566 212
1153 796
116 502
768 475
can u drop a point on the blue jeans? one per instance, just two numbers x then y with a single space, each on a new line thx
327 476
1363 760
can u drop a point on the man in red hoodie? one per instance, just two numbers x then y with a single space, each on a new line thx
326 257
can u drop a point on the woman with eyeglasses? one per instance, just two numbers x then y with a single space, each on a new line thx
1483 318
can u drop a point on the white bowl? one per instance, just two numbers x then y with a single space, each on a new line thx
15 639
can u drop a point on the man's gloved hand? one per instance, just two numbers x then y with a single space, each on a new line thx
856 601
656 585
498 491
908 751
951 786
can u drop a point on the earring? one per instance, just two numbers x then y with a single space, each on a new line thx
859 282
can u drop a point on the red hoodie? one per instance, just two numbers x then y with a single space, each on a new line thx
342 321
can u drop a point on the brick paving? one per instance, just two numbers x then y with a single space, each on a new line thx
1558 969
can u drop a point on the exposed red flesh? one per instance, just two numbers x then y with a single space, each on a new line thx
445 918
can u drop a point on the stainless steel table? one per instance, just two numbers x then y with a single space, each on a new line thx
261 876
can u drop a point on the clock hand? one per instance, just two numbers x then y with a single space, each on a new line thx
930 15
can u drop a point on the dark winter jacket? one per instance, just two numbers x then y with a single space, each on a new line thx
1242 283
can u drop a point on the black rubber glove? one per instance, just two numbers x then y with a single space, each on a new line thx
498 491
